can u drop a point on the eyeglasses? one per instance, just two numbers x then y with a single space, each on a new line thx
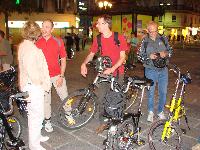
101 23
152 31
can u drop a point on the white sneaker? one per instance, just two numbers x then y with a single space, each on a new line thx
161 115
150 116
48 126
44 138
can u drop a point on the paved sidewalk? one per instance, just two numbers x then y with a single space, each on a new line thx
86 138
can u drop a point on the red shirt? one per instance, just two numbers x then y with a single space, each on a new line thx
109 48
53 50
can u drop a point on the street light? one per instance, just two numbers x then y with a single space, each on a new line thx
104 3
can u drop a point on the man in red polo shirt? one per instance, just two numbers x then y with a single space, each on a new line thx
108 48
53 49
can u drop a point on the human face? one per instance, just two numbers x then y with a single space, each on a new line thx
153 31
47 29
101 25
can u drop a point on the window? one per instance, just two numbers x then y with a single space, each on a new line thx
173 18
160 18
40 5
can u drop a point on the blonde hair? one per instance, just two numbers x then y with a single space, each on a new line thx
31 31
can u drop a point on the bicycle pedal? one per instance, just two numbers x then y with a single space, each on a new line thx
140 142
17 144
184 131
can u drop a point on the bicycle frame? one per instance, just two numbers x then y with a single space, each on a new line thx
135 117
176 108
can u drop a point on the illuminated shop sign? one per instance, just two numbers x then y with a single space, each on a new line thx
20 24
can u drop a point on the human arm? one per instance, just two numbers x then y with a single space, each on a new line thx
168 52
83 65
117 64
62 71
142 53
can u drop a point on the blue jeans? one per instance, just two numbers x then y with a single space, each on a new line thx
159 76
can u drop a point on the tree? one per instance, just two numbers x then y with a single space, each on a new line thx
9 6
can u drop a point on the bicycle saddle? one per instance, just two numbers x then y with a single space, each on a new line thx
129 66
142 81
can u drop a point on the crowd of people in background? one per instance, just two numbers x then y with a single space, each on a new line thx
74 42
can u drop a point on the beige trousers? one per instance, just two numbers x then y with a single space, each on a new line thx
61 91
35 108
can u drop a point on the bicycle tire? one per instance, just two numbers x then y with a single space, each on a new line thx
2 134
120 140
15 125
111 143
131 97
171 143
80 119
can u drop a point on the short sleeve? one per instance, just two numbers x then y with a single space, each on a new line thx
94 47
123 43
62 49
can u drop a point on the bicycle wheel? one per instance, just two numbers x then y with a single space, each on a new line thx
125 131
131 97
2 134
83 109
122 138
15 126
155 134
111 142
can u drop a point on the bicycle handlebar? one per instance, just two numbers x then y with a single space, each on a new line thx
132 81
175 69
20 95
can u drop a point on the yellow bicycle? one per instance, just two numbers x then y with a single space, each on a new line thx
166 134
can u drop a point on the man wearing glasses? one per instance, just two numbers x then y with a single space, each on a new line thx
108 48
155 46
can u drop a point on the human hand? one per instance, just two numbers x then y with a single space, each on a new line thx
83 70
59 81
163 54
108 71
153 56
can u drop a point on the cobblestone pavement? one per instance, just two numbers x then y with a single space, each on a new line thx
86 138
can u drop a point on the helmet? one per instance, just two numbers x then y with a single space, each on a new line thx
159 62
102 63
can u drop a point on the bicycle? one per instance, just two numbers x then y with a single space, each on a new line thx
125 132
168 132
83 101
10 126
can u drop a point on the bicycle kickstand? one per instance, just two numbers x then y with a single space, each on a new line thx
186 120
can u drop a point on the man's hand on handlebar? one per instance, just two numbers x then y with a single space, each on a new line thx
108 71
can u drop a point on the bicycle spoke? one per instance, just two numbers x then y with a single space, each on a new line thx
155 141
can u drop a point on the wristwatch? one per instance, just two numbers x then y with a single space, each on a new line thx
61 76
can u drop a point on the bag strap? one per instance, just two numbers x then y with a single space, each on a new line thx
117 42
99 43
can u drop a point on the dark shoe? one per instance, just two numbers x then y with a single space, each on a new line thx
101 128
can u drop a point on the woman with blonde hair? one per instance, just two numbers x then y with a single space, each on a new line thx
33 78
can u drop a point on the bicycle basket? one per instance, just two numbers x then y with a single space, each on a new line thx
114 104
102 63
